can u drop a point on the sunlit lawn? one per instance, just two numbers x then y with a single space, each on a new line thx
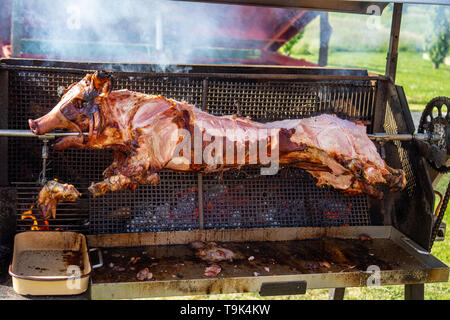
356 43
419 80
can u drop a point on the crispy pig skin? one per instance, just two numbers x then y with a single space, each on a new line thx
53 193
145 133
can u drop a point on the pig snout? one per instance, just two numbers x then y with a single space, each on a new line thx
49 122
41 125
33 126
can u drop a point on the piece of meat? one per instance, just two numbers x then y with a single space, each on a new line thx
213 270
53 193
150 133
211 252
144 274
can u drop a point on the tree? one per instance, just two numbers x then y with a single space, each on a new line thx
287 47
438 42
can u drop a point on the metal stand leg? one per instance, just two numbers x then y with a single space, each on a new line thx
415 291
336 294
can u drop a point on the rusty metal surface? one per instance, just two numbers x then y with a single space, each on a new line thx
323 262
282 258
236 235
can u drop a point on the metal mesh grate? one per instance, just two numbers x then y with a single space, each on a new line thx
275 100
242 199
246 199
390 127
172 205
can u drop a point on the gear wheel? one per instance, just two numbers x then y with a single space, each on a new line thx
435 119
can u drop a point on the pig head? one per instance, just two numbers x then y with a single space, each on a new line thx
77 111
139 128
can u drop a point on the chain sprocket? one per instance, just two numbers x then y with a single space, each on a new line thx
435 119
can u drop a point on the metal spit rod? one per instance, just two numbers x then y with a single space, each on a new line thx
30 134
376 137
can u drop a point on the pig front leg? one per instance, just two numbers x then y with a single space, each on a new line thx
126 173
121 182
113 183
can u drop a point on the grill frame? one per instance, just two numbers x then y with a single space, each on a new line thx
206 79
398 218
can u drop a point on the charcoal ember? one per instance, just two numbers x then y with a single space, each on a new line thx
333 212
294 212
215 192
165 217
186 206
269 217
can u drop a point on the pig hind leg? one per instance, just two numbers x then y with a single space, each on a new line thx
113 169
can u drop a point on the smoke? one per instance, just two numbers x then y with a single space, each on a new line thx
91 30
141 31
133 31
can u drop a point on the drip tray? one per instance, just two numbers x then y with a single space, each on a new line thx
321 257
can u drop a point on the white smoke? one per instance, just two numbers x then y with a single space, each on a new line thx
134 31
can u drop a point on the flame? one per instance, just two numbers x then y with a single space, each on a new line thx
35 227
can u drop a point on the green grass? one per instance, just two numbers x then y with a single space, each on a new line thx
419 80
356 43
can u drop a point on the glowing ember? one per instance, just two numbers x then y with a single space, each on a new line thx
35 226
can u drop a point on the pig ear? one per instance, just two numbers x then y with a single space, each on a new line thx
101 81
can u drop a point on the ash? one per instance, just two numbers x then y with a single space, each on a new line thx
180 215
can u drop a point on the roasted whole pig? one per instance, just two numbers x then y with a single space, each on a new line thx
53 193
150 133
